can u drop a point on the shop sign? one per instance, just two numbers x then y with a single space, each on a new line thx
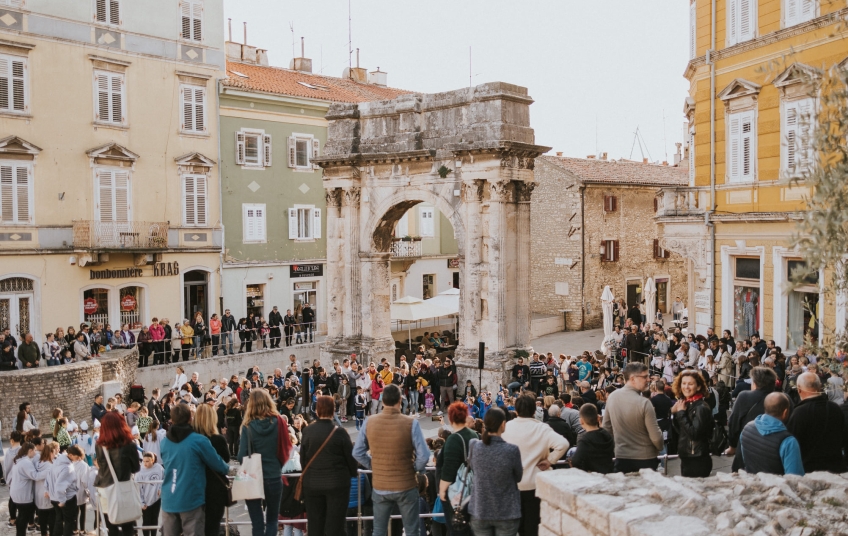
89 306
306 270
453 263
128 303
114 274
166 268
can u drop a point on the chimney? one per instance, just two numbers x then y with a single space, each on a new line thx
603 156
591 157
302 64
357 74
644 160
378 78
678 156
559 153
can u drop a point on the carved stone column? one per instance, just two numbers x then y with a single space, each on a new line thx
335 262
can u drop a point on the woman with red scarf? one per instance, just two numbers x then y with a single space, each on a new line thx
692 419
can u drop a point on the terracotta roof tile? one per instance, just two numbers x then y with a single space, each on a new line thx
299 84
624 172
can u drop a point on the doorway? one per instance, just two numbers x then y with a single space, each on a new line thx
16 301
304 292
195 293
634 293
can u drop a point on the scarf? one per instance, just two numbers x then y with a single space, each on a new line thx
695 398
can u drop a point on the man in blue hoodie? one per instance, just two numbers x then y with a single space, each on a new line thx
185 454
766 445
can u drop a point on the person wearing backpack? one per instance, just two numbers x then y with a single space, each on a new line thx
454 454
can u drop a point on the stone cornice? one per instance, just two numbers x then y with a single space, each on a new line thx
768 39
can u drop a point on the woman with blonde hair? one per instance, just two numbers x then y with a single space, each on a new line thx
259 434
206 423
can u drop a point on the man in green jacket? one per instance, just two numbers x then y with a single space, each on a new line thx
29 353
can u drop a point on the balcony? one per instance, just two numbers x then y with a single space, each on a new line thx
682 201
406 248
125 235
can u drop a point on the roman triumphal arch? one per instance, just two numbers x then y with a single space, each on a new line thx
470 153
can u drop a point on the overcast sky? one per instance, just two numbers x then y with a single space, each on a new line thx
591 65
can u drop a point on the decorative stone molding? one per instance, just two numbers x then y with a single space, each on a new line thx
351 196
333 197
693 248
523 191
472 191
501 191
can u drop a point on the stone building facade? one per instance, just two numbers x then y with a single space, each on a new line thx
592 225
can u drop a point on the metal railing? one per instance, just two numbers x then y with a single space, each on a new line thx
406 248
92 234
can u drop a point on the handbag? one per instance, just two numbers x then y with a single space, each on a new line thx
121 501
229 487
299 486
459 492
249 483
438 509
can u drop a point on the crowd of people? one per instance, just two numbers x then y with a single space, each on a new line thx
161 342
616 411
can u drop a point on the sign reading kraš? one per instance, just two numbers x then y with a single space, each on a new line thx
166 268
306 270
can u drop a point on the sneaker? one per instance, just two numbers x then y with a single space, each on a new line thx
2 481
10 524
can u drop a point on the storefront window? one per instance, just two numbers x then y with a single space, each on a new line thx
130 307
304 293
256 300
96 305
662 295
802 313
428 289
746 298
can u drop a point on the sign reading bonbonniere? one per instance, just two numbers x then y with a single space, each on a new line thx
159 269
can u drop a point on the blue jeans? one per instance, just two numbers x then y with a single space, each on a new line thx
407 503
413 401
514 387
227 342
266 525
197 344
505 527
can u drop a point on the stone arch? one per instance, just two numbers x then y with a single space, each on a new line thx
377 231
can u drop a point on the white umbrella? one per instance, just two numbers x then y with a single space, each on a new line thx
448 299
607 303
650 295
410 309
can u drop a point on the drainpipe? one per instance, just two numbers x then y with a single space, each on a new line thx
219 86
711 211
582 259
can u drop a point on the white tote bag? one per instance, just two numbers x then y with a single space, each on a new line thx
121 501
249 482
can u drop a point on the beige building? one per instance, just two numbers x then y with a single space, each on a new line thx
592 225
108 161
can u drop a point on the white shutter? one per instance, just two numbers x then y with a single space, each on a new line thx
316 145
693 24
18 101
691 159
426 222
260 222
117 88
114 12
292 224
102 82
197 21
292 151
791 15
105 196
266 146
790 130
239 147
5 83
200 196
190 200
7 194
316 223
747 141
187 97
122 196
110 97
732 21
22 194
249 216
732 160
747 23
199 109
808 10
101 11
805 132
185 20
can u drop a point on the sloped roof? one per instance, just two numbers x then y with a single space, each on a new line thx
622 172
299 84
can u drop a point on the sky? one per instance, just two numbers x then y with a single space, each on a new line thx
597 69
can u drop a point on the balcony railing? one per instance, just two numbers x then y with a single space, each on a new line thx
130 235
682 201
406 248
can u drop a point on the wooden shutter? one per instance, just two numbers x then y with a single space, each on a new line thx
260 222
732 21
197 21
292 152
110 97
266 146
614 250
187 97
747 142
122 196
790 129
791 15
656 204
199 108
806 131
734 140
293 224
7 194
610 203
13 84
22 189
316 223
239 147
249 223
656 248
693 24
747 23
101 11
185 20
190 200
808 9
315 151
195 200
114 12
105 196
200 196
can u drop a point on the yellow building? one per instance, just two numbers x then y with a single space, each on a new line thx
109 184
750 73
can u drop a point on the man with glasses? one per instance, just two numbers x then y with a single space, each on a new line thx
631 420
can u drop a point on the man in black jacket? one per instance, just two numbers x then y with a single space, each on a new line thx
561 426
228 328
308 321
632 343
289 322
275 319
749 405
520 377
819 426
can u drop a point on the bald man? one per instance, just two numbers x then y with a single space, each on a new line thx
766 446
819 426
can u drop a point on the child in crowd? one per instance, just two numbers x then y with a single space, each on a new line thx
153 438
150 492
359 403
143 421
86 443
429 401
77 455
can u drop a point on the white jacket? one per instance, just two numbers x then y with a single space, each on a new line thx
179 381
537 442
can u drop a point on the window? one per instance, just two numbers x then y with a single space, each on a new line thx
15 193
746 297
656 204
693 24
253 148
109 98
304 222
802 302
798 11
798 128
113 195
95 303
741 20
428 287
427 229
194 109
14 94
253 218
194 200
741 146
302 149
609 251
108 11
402 227
191 20
610 203
659 252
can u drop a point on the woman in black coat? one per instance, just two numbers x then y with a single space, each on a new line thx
206 423
326 483
116 437
692 419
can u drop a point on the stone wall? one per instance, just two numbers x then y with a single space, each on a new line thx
70 387
162 376
575 503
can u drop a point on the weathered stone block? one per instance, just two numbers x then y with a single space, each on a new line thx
619 521
573 527
593 510
690 526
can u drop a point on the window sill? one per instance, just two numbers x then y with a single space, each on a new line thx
113 126
254 241
188 134
253 167
305 240
303 170
15 115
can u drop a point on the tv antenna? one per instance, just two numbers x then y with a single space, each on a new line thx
643 147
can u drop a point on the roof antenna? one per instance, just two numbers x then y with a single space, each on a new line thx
245 33
349 43
302 49
357 57
230 29
291 27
